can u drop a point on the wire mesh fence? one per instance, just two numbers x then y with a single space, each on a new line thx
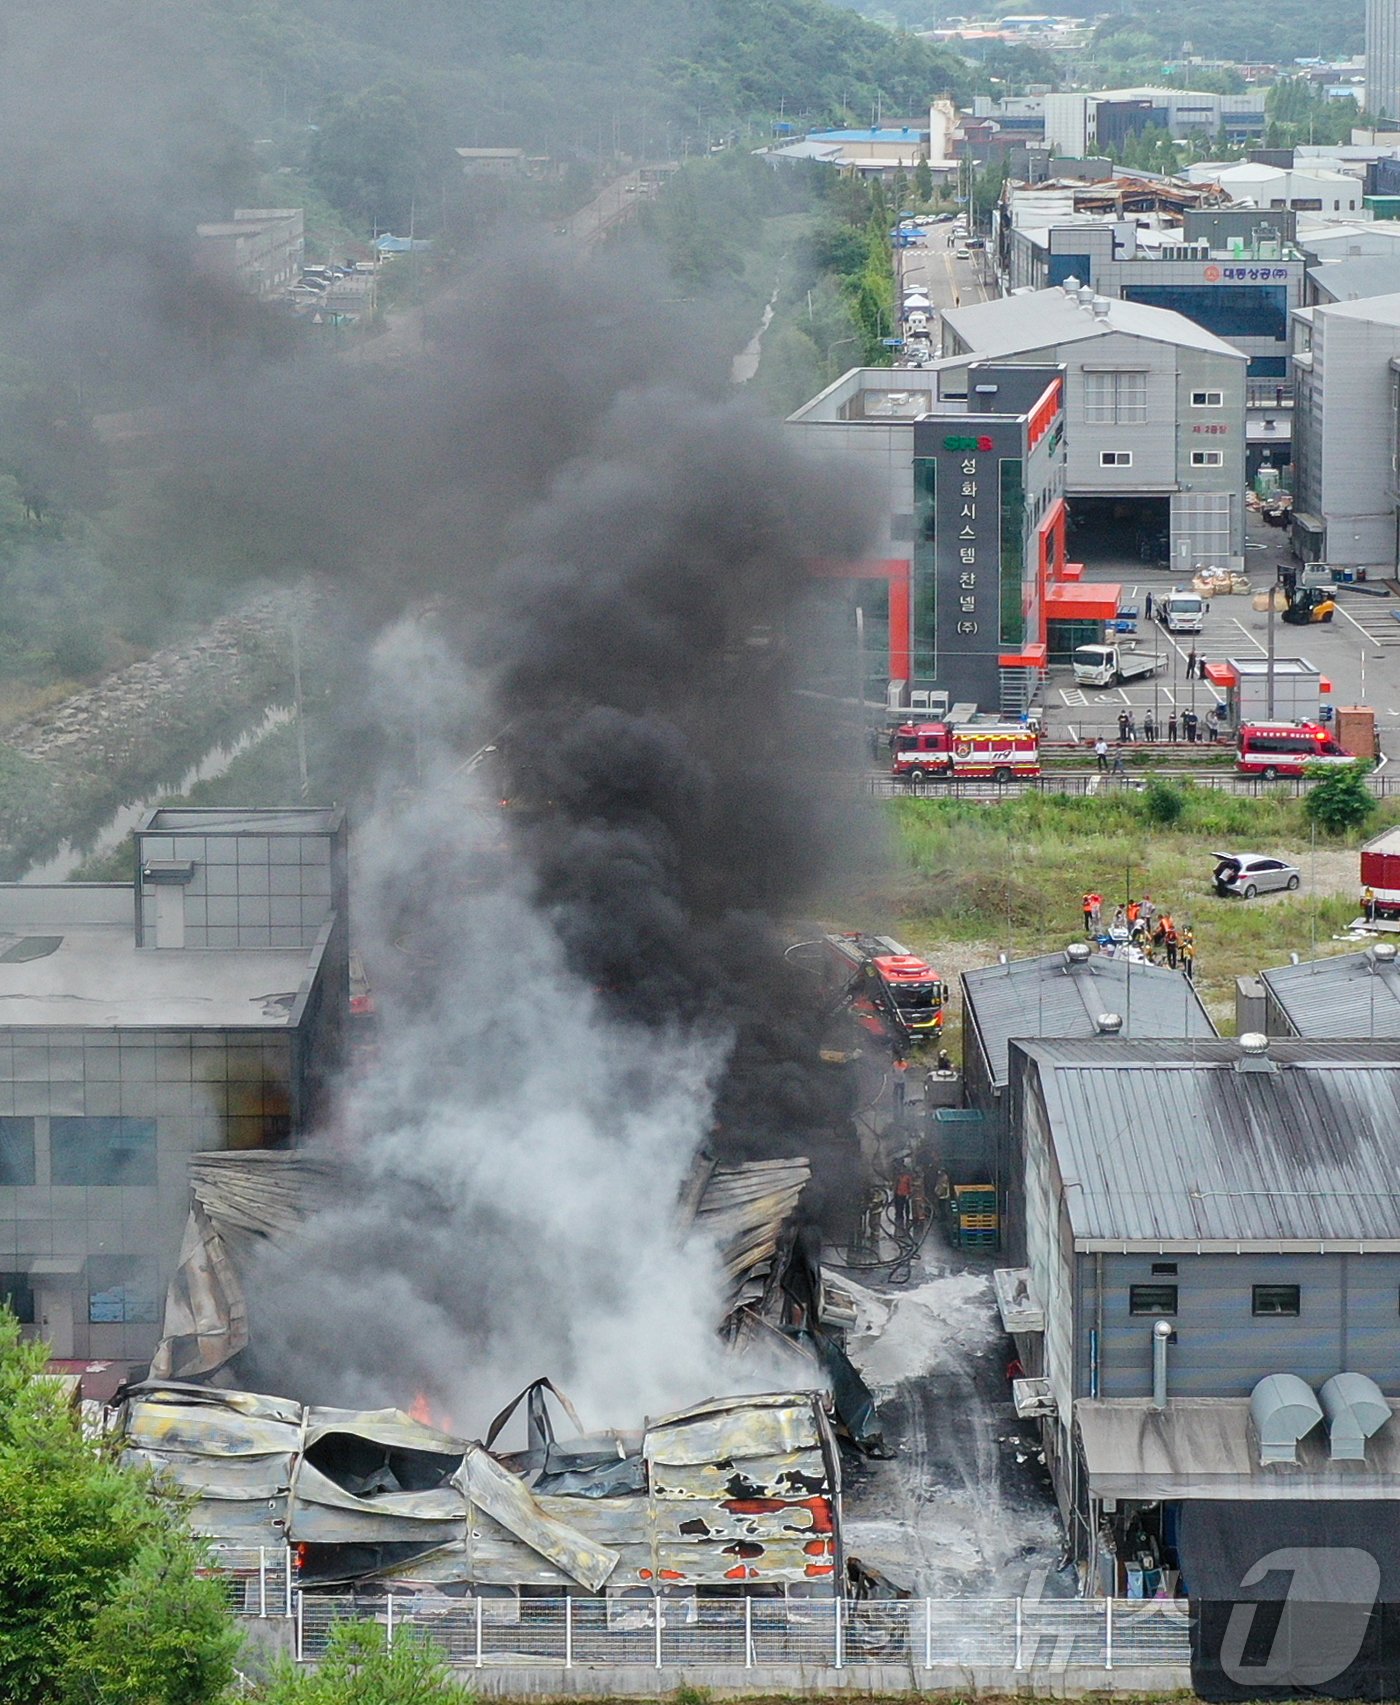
1093 781
755 1633
256 1580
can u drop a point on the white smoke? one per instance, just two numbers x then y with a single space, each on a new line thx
517 1151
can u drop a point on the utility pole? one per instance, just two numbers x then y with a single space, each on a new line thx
1269 689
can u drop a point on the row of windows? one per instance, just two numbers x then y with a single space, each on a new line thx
1124 458
1264 1299
1207 399
91 1150
122 1290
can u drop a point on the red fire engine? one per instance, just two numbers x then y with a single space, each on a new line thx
1380 872
935 751
895 988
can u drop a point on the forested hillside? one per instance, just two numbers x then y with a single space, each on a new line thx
1216 29
558 74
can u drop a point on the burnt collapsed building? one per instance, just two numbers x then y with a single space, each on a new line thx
733 1495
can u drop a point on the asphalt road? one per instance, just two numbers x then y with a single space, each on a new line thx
933 267
1359 651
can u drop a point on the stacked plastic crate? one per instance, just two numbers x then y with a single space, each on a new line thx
975 1216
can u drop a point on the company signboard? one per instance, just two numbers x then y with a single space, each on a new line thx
968 552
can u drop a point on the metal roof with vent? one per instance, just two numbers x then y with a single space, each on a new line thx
1054 995
1171 1145
1348 995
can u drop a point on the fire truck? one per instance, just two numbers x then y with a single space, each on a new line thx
890 987
937 751
1380 872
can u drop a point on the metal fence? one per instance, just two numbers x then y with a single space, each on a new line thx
257 1580
1091 781
735 1633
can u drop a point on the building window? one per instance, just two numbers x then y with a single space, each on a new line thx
121 1290
1166 1269
17 1294
1151 1299
103 1151
1277 1299
1207 399
1207 458
16 1151
1115 458
1115 399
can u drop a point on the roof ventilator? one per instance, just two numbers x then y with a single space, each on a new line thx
1254 1053
1382 955
1108 1024
1355 1408
1283 1410
1071 286
1099 307
1077 953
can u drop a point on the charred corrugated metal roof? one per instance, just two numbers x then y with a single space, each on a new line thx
1052 995
1188 1143
1350 995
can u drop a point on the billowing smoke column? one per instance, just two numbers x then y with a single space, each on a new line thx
583 988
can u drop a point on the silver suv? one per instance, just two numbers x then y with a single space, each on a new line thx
1248 874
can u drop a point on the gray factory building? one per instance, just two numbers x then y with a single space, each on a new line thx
1207 1313
1076 994
199 1008
1351 995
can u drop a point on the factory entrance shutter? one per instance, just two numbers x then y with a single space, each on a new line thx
1293 1599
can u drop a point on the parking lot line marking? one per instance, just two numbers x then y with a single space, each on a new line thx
1122 695
1170 695
1262 649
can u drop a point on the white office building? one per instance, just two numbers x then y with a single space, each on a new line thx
1347 432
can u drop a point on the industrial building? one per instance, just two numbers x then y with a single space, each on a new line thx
1087 122
731 1496
1383 58
260 250
1315 190
957 597
1236 272
1154 415
1206 1313
1346 357
1345 995
198 1008
1075 994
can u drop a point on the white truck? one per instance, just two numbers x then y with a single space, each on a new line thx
1181 612
1112 665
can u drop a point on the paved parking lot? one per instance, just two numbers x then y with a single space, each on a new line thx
1358 651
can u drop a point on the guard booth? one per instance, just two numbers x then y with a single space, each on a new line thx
1241 684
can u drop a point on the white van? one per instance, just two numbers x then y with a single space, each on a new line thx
1181 612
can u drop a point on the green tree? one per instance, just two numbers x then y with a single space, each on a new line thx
100 1601
1339 800
360 1668
923 180
379 155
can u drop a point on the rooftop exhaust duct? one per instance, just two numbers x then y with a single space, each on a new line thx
1077 953
1254 1053
1283 1410
1108 1023
1356 1409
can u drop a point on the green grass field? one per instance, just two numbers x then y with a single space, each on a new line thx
975 879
